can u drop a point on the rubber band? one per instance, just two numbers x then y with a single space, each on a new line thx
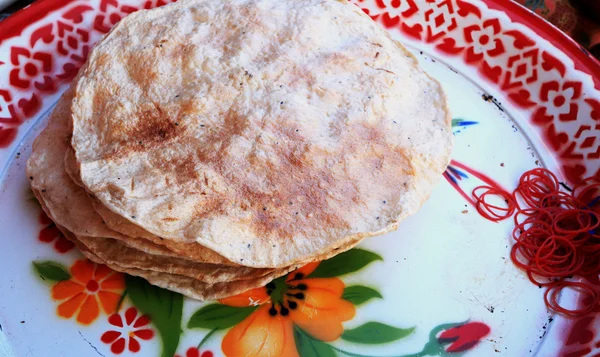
490 211
556 234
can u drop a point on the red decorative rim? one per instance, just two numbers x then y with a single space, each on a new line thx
14 25
583 60
17 22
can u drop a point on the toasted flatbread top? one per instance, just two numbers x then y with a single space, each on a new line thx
265 130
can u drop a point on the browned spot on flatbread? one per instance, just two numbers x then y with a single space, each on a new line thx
300 182
305 201
337 58
218 140
142 69
184 168
160 43
298 189
301 76
269 51
114 191
102 59
253 17
367 133
179 52
209 206
153 128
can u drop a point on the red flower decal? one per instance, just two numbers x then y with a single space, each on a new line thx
151 4
195 352
31 67
483 39
71 40
463 337
111 12
128 331
50 234
396 9
561 99
521 70
440 19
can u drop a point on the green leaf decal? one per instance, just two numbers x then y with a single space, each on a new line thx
50 270
217 316
164 308
345 263
375 333
359 294
309 347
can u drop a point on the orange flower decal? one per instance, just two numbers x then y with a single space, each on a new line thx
314 305
90 283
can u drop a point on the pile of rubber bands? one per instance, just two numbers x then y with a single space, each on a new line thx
557 234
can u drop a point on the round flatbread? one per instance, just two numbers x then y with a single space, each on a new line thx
269 131
70 206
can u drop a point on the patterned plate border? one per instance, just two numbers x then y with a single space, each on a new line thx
535 66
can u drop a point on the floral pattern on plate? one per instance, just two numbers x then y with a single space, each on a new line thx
541 75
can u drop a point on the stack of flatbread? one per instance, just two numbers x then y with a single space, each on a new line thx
210 147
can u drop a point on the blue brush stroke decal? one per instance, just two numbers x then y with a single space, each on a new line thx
459 124
450 177
457 172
